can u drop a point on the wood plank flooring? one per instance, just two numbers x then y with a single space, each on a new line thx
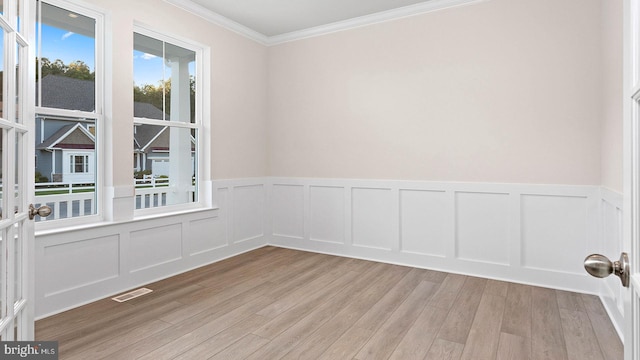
274 303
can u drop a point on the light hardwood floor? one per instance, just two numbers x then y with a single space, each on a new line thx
275 303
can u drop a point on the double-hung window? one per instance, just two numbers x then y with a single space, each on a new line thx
167 121
69 109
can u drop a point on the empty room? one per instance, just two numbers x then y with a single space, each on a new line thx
306 179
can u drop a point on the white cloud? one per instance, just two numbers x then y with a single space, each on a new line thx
148 56
67 35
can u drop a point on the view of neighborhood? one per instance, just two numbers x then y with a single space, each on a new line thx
65 147
68 122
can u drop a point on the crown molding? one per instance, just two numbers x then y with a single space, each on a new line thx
379 17
220 20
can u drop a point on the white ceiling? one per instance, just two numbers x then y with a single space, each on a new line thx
277 17
275 21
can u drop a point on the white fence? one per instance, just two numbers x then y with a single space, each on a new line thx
68 200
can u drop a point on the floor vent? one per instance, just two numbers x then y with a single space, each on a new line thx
131 295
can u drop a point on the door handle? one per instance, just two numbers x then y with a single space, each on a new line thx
42 211
600 266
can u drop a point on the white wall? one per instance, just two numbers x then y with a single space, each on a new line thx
497 91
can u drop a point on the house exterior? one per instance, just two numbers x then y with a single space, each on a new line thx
151 143
65 148
68 155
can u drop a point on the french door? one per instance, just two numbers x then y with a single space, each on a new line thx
16 187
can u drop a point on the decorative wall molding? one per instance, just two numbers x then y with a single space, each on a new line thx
79 266
533 234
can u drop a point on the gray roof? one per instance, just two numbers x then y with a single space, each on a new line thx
145 134
58 138
62 92
55 137
148 111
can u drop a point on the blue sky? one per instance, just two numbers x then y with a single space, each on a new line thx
147 69
69 47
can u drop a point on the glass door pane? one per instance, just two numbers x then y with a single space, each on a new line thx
18 92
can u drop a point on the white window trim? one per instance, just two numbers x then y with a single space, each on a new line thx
100 147
202 124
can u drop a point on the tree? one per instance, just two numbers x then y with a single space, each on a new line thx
153 95
77 69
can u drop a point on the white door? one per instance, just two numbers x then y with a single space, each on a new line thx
632 176
16 188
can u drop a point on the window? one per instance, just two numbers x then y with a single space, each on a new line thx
167 123
68 109
79 163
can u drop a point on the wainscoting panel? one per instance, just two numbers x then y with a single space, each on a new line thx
77 266
482 227
98 257
371 213
206 235
287 210
534 234
327 212
155 246
248 212
423 222
554 222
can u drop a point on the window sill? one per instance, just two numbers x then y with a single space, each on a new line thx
102 223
